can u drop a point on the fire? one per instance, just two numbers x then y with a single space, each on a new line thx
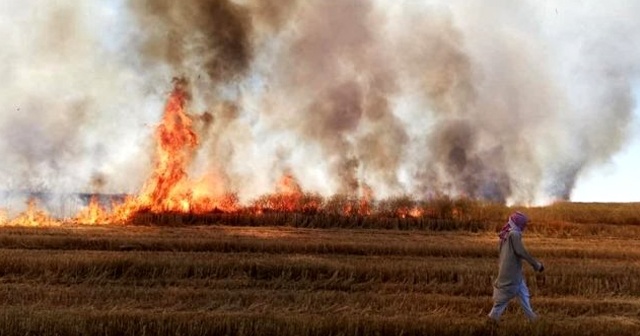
166 189
288 194
414 212
288 185
122 212
93 214
286 198
33 217
365 200
207 195
169 189
361 206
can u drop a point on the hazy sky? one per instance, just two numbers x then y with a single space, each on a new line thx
617 181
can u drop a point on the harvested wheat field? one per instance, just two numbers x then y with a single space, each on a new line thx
227 280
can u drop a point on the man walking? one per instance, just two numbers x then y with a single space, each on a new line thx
510 282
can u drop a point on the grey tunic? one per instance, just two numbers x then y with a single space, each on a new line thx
512 252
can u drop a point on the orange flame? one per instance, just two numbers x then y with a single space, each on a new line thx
361 206
169 189
365 200
33 217
286 198
288 194
414 212
176 141
93 214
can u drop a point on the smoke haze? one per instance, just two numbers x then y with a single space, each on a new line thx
498 100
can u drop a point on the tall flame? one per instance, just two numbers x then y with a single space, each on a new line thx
176 142
168 188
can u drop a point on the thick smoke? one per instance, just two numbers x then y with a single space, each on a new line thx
201 37
73 114
500 100
331 84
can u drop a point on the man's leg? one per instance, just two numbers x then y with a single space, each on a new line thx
500 302
523 297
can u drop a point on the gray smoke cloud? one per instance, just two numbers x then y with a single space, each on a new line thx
73 113
500 100
331 84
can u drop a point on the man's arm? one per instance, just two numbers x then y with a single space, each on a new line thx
521 251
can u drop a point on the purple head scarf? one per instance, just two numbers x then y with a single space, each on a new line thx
517 221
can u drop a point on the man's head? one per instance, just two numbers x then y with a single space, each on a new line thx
519 219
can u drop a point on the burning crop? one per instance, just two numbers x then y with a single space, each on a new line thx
32 216
169 190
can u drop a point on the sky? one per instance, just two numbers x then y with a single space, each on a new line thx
618 180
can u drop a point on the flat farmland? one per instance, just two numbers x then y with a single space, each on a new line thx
222 280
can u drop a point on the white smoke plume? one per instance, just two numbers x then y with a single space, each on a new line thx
499 100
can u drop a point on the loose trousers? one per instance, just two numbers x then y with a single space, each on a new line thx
502 297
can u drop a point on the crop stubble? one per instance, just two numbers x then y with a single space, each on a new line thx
219 280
